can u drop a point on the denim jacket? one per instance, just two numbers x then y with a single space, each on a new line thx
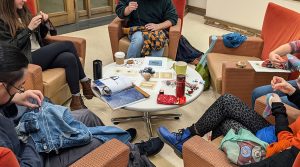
54 128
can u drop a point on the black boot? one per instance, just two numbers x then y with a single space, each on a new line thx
150 147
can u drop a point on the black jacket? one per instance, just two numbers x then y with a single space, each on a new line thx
25 153
22 38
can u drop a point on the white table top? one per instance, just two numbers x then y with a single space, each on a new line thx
150 104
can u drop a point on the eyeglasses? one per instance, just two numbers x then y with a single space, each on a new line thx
21 89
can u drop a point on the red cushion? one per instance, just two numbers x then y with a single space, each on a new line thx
8 158
281 25
32 6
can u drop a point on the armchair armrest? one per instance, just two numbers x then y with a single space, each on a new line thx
251 47
241 81
174 36
260 105
115 34
201 153
111 154
34 78
79 43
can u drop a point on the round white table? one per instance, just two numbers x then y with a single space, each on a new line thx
149 106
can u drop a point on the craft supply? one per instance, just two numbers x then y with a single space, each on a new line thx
146 76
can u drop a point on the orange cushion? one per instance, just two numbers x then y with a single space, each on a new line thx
280 26
8 158
32 7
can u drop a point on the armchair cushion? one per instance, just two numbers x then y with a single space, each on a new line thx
274 29
53 79
215 61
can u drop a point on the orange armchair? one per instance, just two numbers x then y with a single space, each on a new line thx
119 42
198 152
52 83
227 78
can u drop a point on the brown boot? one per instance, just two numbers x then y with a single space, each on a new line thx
87 90
77 103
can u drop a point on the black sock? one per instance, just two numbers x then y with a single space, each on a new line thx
192 130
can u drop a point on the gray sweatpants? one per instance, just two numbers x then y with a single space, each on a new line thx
69 156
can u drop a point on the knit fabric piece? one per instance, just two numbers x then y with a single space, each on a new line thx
153 40
267 112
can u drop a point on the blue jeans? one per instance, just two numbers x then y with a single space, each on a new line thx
136 45
263 90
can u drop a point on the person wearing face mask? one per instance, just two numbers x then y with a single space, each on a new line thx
13 69
19 28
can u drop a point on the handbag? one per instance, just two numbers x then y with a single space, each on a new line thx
243 147
202 68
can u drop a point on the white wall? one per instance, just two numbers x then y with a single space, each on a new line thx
249 13
198 3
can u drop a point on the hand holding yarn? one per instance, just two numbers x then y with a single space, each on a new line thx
282 85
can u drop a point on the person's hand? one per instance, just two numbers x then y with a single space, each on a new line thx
276 59
44 16
23 99
35 22
282 85
152 27
132 6
275 98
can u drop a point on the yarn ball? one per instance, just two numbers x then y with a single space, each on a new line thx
267 134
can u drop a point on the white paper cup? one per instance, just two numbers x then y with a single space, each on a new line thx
119 57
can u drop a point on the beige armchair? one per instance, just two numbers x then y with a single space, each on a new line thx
226 77
52 82
198 152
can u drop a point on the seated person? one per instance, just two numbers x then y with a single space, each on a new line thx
13 68
229 112
153 15
19 28
276 59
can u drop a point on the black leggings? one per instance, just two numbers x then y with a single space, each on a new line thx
61 55
226 113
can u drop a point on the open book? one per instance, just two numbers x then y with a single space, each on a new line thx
119 91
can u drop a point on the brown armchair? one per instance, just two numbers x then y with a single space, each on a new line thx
120 42
198 152
52 83
111 154
227 78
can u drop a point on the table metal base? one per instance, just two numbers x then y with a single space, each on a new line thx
147 117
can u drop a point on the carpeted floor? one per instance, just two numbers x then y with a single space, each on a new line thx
98 47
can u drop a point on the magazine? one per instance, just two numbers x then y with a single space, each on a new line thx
119 91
